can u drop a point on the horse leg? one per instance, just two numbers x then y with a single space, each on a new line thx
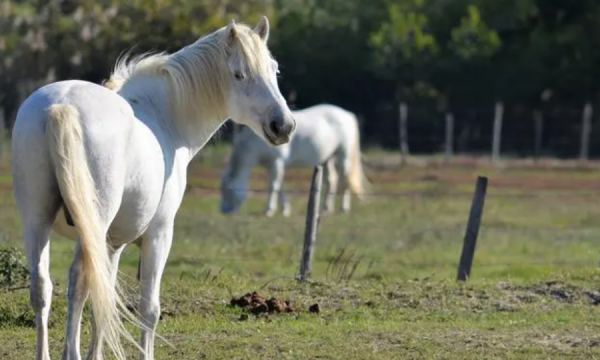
331 181
343 184
326 190
37 197
37 247
95 348
76 297
275 184
38 207
155 248
285 203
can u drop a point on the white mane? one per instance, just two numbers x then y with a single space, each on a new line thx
197 75
127 65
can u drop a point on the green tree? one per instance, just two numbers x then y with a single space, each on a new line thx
405 50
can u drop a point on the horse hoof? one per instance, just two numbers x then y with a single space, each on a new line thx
287 213
269 214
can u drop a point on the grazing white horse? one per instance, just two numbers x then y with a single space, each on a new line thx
116 163
325 134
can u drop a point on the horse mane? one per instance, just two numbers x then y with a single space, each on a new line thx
128 66
197 75
114 83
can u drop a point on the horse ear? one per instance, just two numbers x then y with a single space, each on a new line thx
231 32
262 29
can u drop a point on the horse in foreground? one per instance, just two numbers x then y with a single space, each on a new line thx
115 163
325 134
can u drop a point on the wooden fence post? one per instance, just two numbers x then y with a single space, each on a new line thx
538 123
449 138
470 240
586 128
497 135
312 223
403 133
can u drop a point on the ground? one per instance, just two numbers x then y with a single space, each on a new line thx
384 275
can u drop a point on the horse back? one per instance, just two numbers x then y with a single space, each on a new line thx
106 121
121 152
98 107
316 137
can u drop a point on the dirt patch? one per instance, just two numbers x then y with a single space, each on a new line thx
511 298
559 292
565 342
501 182
504 298
256 304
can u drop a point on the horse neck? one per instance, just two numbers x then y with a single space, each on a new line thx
202 133
196 75
150 95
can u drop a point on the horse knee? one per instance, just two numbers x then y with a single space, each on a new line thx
40 290
151 313
74 270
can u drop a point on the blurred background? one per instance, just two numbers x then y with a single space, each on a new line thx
439 57
440 87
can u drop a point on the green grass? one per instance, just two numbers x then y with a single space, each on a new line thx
383 274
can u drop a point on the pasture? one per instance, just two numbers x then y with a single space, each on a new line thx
384 275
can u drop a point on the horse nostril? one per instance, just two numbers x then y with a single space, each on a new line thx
274 127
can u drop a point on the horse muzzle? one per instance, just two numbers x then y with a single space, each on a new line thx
279 129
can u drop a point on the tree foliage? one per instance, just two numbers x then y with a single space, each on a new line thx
365 55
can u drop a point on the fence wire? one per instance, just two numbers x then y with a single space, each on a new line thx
432 193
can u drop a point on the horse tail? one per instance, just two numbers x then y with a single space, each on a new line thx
356 177
76 185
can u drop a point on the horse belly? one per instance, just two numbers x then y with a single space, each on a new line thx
128 225
132 220
315 151
136 210
141 198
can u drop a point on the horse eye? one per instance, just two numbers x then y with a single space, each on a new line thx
238 75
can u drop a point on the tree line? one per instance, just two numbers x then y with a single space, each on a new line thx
437 56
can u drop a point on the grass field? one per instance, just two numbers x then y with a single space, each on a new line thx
384 275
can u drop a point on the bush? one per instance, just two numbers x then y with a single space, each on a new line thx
13 268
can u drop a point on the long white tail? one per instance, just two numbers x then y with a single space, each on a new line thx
356 177
65 140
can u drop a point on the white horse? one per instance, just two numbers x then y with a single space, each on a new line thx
325 134
116 163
